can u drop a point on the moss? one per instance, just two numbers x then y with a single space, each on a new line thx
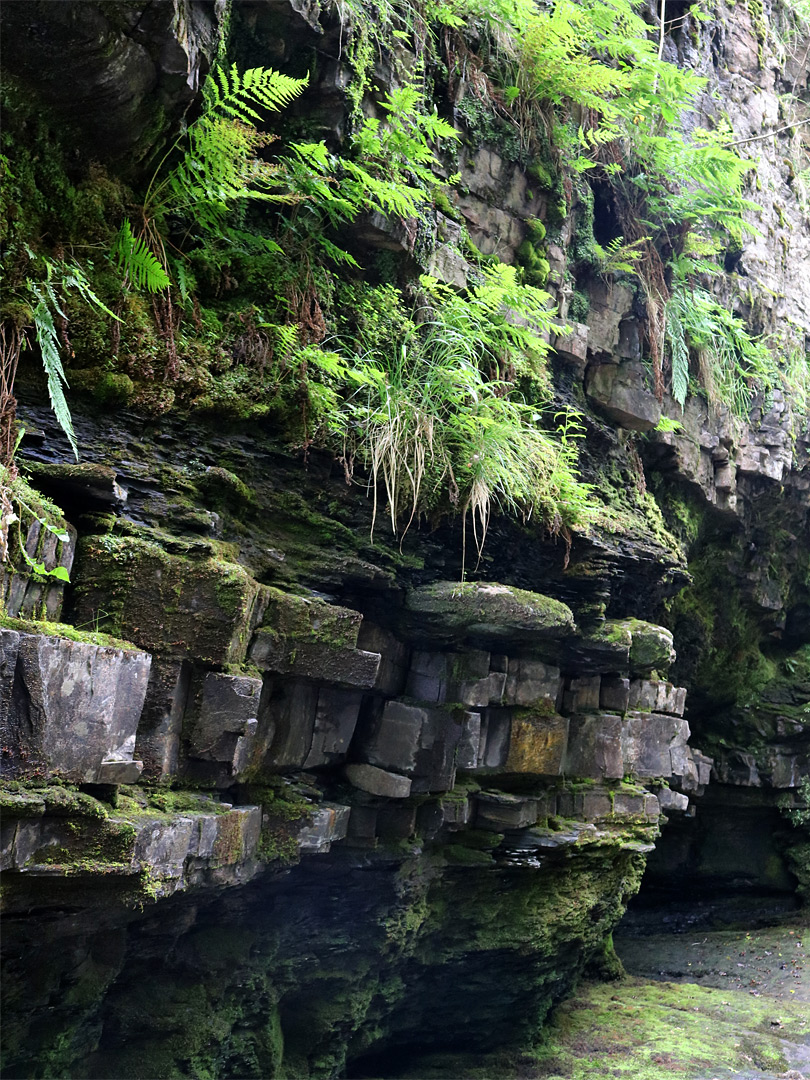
652 1031
485 607
651 646
309 619
202 606
462 855
579 306
224 486
63 630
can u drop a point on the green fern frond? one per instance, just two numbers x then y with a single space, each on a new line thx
236 94
678 349
49 347
138 263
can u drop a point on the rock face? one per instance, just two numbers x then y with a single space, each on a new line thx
318 800
134 69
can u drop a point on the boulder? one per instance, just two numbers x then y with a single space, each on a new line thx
222 720
330 822
529 682
201 607
595 747
538 741
497 811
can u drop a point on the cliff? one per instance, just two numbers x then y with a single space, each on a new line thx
407 584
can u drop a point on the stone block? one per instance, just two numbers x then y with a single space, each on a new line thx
330 822
470 681
496 726
620 391
573 346
498 811
394 657
614 694
8 833
314 660
222 720
428 676
448 265
335 720
648 743
75 708
394 740
631 804
648 695
158 738
397 821
288 718
537 743
362 825
435 768
529 682
610 304
595 747
594 805
457 811
378 782
469 744
643 695
670 699
202 608
162 847
9 647
672 801
582 694
484 613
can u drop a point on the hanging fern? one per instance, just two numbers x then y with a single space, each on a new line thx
221 164
51 362
678 347
139 265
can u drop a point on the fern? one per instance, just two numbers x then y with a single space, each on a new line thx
220 165
235 94
51 362
138 263
676 337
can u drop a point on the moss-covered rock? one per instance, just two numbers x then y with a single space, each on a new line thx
205 608
486 612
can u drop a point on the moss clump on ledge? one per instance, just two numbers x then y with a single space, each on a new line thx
63 630
487 611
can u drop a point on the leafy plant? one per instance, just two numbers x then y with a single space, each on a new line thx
138 263
733 365
37 304
437 411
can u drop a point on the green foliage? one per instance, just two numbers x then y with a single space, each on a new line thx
435 410
798 815
138 263
220 164
733 365
40 297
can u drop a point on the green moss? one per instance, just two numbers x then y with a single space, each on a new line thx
309 619
63 630
652 1031
579 306
224 486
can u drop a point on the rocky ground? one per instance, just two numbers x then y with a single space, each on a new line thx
707 1007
